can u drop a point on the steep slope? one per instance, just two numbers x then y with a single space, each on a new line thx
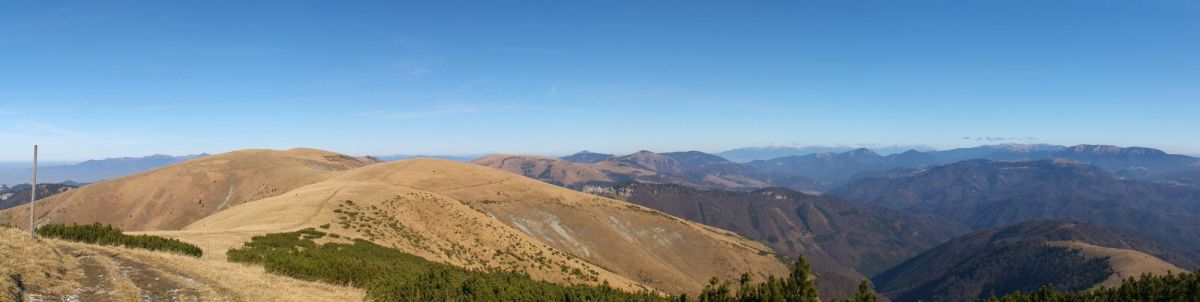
177 195
19 194
482 218
1070 255
557 171
694 169
843 241
983 194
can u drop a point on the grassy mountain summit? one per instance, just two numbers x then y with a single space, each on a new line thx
455 213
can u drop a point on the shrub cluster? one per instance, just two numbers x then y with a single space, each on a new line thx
104 234
388 274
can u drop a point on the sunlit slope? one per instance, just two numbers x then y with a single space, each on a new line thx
175 196
480 217
1125 263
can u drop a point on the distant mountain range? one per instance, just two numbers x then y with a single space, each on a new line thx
19 194
96 169
748 154
835 167
1070 255
844 242
984 194
1131 162
586 157
911 201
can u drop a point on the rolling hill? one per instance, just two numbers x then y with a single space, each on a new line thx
455 213
172 197
843 241
1070 255
478 217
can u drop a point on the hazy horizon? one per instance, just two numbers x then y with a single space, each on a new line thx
48 162
95 80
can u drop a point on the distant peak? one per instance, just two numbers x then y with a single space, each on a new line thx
862 151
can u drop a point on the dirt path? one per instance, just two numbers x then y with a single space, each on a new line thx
110 276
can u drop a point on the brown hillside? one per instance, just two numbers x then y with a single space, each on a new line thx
171 197
479 217
691 169
552 170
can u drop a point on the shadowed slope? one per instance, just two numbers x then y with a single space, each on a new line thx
844 242
984 194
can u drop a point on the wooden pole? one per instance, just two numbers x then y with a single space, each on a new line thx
33 193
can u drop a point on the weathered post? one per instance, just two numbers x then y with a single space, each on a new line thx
33 193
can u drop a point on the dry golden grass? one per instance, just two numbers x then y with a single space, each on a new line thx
449 212
449 231
223 281
39 268
483 218
50 268
171 197
1125 263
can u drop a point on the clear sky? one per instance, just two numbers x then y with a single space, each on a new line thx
94 79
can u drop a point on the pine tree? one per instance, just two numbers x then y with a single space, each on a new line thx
865 293
800 285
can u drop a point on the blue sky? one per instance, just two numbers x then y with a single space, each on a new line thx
96 79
